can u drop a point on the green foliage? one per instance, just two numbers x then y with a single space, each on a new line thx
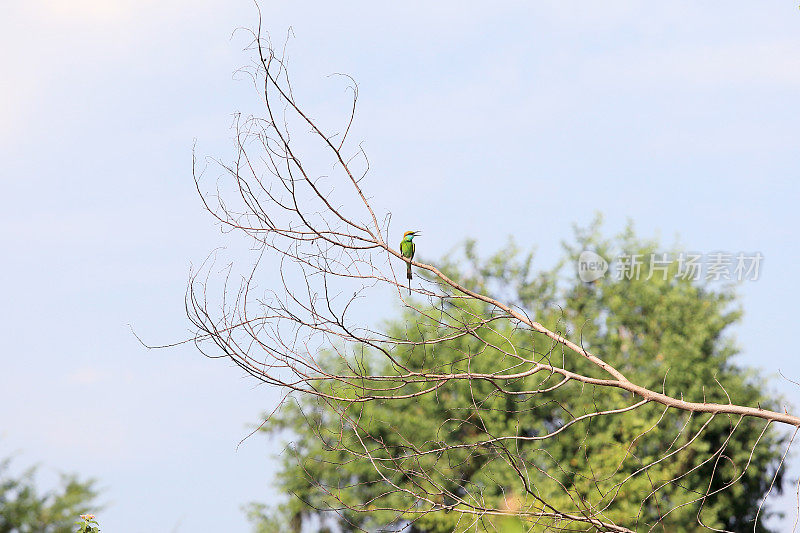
23 509
665 334
267 520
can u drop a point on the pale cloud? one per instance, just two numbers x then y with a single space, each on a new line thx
49 42
702 65
93 11
87 376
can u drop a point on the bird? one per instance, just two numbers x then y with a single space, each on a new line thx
407 251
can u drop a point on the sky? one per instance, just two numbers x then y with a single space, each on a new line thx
517 120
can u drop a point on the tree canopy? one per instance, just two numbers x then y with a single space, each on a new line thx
645 466
25 509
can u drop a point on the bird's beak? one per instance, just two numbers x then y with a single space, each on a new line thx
415 233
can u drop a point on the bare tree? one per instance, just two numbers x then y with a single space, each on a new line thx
328 237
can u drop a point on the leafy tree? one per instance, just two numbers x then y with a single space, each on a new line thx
24 509
666 333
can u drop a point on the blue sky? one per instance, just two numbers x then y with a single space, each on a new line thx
517 120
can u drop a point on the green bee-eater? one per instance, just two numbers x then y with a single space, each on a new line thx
407 250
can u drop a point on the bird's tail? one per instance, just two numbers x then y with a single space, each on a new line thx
408 275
